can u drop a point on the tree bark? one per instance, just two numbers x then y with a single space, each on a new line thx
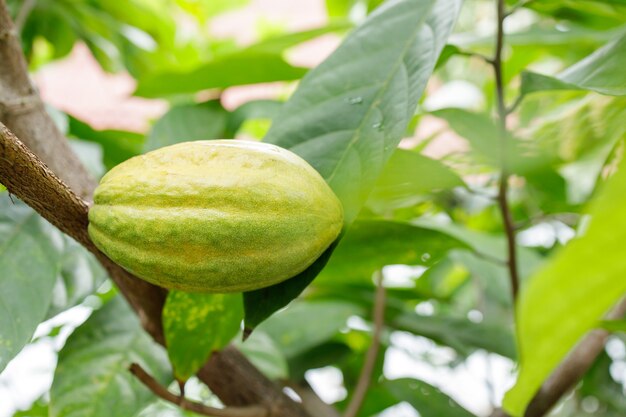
22 111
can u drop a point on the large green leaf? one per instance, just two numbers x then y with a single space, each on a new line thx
602 72
371 244
31 257
188 122
346 122
246 67
349 113
407 177
588 272
92 377
196 325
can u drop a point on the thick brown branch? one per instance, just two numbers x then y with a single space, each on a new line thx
33 182
372 353
186 404
22 111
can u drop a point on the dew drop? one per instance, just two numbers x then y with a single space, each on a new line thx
425 257
378 126
355 100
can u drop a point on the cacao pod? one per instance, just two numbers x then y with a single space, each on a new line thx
214 216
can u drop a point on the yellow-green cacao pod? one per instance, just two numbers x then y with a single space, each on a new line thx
215 216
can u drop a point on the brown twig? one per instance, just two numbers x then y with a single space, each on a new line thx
187 404
372 353
503 203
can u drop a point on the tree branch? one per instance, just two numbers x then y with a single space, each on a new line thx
372 353
503 203
186 404
23 13
22 111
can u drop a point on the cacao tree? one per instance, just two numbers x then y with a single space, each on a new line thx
469 156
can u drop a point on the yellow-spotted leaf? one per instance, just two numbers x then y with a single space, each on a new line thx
197 324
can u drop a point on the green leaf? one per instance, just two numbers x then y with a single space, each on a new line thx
588 272
614 325
327 353
482 134
488 246
305 325
426 399
235 69
582 135
92 377
346 122
479 130
278 44
30 260
196 325
598 14
188 122
79 275
262 351
256 109
371 244
117 145
349 114
408 176
460 333
599 383
602 72
38 409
